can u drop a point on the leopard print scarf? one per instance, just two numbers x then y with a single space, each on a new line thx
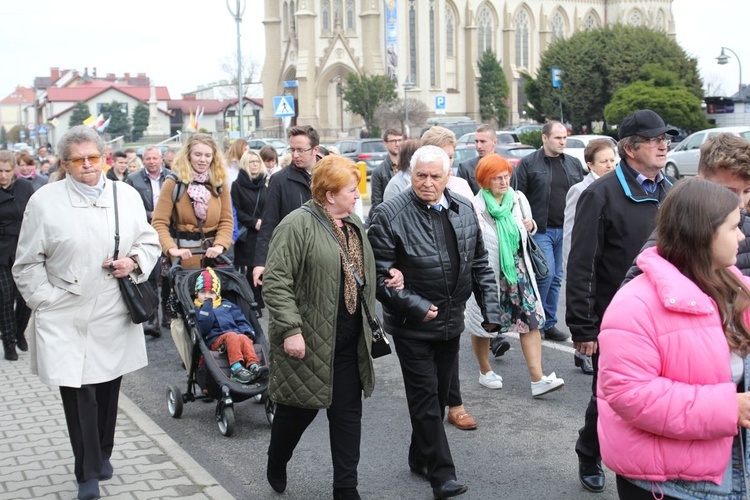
354 251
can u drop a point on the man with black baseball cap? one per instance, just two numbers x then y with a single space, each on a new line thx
614 218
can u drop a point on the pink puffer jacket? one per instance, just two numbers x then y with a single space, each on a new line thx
667 404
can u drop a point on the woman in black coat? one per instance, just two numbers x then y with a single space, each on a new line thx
248 197
14 315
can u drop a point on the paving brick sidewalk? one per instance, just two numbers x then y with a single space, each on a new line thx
36 460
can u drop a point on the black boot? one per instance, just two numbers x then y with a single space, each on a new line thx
10 350
21 343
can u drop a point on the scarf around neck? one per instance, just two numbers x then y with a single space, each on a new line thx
199 193
508 235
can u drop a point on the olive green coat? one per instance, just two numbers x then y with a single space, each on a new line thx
301 286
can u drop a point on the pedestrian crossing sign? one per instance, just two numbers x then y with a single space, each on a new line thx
283 105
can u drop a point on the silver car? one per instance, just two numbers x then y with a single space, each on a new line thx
683 159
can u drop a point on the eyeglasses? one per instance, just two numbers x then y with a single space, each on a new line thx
78 162
394 140
254 162
654 141
299 151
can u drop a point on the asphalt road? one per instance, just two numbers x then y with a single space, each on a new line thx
523 448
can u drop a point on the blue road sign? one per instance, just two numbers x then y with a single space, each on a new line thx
42 129
557 77
290 84
440 104
283 105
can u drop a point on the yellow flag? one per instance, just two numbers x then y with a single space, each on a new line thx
192 120
89 120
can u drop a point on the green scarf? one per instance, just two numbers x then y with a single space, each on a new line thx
508 235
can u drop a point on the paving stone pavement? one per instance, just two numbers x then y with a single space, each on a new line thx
36 460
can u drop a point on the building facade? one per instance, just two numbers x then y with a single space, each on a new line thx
433 45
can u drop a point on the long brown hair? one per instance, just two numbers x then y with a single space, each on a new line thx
687 223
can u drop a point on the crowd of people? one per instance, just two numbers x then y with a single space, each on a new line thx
655 272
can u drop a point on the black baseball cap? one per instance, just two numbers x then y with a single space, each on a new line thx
645 123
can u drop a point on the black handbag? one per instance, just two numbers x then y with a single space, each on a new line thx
140 298
381 346
538 261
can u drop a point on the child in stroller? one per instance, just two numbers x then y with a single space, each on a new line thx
223 326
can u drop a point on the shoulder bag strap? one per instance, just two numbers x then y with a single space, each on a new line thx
117 222
357 278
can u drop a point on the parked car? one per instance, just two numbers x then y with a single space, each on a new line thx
256 143
514 152
683 159
370 151
464 152
576 145
527 128
21 146
503 137
459 128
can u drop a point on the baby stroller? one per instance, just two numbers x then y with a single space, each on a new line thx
207 369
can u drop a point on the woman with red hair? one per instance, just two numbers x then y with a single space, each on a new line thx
505 219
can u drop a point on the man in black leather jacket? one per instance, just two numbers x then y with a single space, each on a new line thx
545 178
433 237
725 160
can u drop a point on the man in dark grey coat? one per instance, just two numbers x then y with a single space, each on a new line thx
433 238
383 173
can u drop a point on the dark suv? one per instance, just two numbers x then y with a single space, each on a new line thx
370 151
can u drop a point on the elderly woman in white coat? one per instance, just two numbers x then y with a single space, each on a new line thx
81 336
600 160
506 222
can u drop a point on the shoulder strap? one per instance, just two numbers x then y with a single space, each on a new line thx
117 222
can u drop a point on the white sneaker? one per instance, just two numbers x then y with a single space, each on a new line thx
491 380
549 383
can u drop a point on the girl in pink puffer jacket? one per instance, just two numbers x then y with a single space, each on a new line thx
673 343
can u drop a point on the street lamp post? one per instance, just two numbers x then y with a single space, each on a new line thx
238 19
724 59
408 85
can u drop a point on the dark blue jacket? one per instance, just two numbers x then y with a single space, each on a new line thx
225 318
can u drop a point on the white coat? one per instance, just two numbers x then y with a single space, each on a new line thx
520 210
80 331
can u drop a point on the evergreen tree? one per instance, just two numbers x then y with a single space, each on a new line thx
493 89
596 63
119 123
80 113
3 137
140 120
363 95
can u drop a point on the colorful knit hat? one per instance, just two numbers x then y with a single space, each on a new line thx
208 281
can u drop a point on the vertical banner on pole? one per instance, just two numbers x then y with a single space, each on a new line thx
391 41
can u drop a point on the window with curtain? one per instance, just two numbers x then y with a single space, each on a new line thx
522 39
484 31
450 32
350 15
557 26
413 41
325 16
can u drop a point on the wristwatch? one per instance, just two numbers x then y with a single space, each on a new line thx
137 267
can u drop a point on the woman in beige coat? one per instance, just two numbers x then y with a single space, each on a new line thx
202 215
81 337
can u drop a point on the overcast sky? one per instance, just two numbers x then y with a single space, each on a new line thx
182 44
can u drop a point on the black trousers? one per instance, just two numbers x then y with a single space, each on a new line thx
91 415
628 491
427 368
14 315
344 424
587 446
454 391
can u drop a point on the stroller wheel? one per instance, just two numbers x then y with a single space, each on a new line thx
270 410
174 401
226 421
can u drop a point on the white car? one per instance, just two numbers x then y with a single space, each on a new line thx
683 159
503 137
576 145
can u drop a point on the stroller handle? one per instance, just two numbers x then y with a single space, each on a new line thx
177 262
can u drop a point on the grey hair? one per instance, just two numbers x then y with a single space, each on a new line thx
78 135
149 148
430 154
633 141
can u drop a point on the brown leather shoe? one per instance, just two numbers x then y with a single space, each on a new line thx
459 417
